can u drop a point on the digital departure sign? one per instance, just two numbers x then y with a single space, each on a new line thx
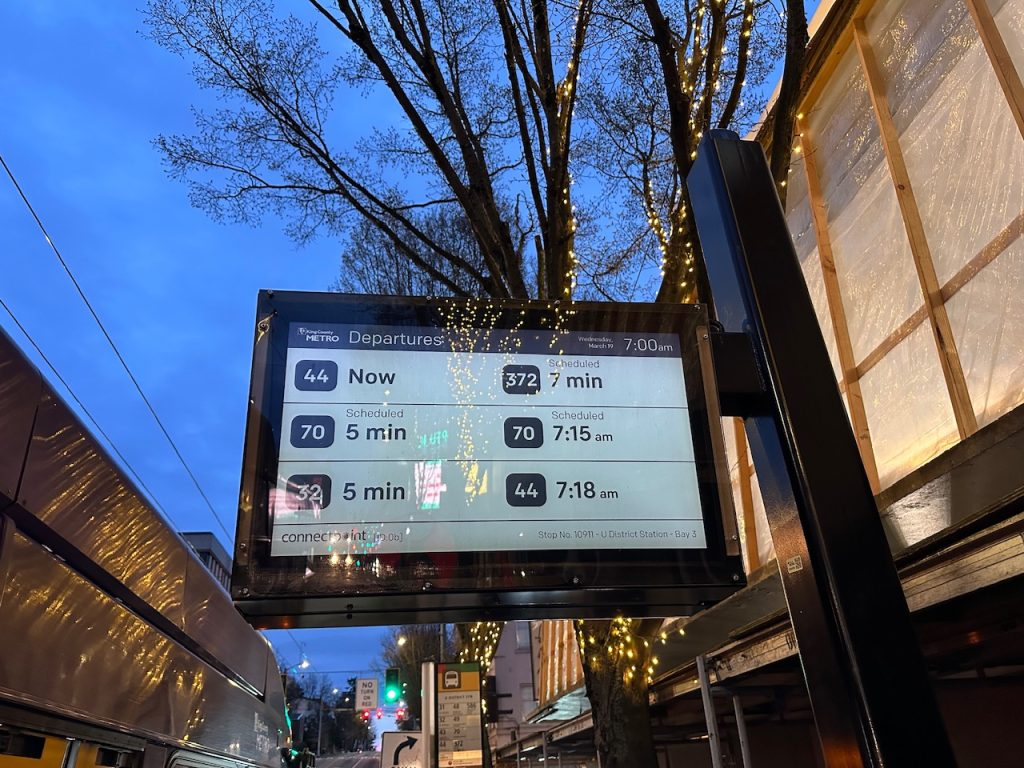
431 447
398 441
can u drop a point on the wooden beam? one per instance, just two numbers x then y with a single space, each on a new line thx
550 653
746 496
949 358
825 69
888 344
1009 234
840 327
999 56
1006 237
830 40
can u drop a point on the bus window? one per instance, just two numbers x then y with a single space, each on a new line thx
24 750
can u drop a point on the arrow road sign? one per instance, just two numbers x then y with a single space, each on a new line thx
404 748
409 742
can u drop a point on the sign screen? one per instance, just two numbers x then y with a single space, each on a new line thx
398 441
438 447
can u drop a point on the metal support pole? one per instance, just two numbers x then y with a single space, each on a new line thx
428 712
544 747
319 724
71 756
714 740
872 701
741 731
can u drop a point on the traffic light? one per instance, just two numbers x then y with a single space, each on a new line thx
392 687
380 713
365 716
490 699
400 714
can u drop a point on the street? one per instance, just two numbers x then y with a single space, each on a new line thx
356 760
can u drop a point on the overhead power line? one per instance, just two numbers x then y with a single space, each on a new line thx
113 346
303 657
295 640
88 414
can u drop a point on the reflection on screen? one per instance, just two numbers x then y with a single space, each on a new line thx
407 440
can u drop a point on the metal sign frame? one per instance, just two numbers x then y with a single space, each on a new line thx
870 692
284 591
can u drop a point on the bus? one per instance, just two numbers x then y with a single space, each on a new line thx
118 649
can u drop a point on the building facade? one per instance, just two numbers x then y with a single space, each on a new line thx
212 554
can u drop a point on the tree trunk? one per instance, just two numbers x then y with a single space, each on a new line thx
789 95
622 720
615 667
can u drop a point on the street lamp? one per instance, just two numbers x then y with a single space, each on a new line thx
305 664
319 724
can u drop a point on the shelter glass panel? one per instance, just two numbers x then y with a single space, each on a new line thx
874 265
955 129
908 410
801 225
759 533
987 316
736 483
765 545
1009 18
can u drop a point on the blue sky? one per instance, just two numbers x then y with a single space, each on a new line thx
84 95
